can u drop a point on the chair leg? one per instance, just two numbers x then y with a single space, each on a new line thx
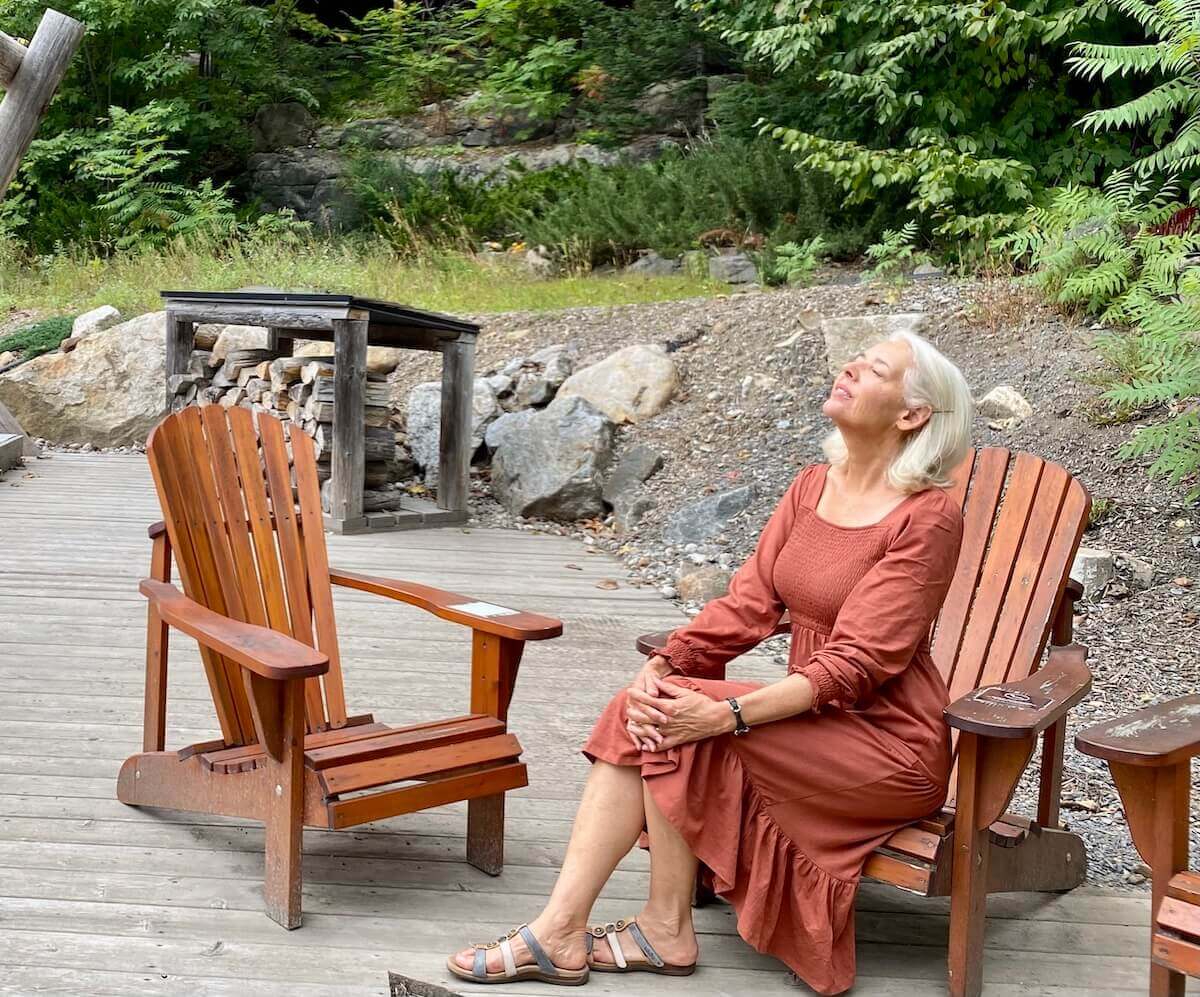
988 772
285 817
485 833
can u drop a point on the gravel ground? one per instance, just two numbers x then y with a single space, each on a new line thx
749 412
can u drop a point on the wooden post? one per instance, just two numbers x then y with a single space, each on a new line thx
494 664
154 720
454 443
30 77
281 341
181 339
349 433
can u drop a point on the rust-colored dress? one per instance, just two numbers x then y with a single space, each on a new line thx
784 818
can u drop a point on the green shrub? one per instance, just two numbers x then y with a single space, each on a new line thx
41 337
750 189
795 263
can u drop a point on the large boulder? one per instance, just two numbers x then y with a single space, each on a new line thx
705 518
632 385
846 337
97 320
554 468
278 126
424 421
108 392
1005 403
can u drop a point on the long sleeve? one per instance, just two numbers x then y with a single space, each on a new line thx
890 611
748 612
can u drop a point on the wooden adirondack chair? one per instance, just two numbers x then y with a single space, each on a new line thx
257 597
1023 521
1149 754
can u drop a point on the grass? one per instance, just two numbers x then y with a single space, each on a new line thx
74 282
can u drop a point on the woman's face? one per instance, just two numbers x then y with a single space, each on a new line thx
868 395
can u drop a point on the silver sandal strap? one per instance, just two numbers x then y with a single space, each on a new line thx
539 953
644 944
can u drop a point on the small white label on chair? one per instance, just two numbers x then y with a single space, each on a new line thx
484 609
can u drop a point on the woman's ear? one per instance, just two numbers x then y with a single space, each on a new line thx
914 418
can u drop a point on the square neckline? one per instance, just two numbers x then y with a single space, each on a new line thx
820 490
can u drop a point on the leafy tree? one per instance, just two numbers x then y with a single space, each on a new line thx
962 108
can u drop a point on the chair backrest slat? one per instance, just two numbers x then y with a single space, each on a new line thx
242 550
308 490
979 512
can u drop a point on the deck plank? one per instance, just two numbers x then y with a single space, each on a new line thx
99 898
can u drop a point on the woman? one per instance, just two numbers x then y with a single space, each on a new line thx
781 790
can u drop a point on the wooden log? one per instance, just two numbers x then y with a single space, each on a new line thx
375 415
379 443
285 371
30 77
180 337
376 393
238 360
314 369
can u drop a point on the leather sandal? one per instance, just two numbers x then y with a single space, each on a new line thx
651 962
544 971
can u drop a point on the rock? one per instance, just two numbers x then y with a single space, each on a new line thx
702 584
68 344
97 320
698 521
1139 571
623 486
538 262
557 363
7 357
238 337
109 392
650 264
502 384
631 385
713 85
630 508
532 391
508 424
554 469
1004 403
676 105
733 268
424 424
635 466
927 271
380 359
1093 569
846 337
278 126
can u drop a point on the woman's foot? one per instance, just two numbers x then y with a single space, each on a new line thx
563 944
674 940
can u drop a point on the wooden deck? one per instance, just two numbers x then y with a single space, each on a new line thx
98 898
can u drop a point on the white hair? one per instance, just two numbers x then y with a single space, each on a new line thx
929 455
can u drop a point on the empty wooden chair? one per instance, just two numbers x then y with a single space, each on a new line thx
257 597
1149 754
1023 519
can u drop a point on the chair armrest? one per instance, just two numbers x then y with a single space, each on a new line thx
264 652
649 644
156 529
1166 734
1026 708
462 609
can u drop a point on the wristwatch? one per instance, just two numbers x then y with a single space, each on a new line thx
742 727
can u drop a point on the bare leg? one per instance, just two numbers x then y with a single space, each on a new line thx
607 824
666 919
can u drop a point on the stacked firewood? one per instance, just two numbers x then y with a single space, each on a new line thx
299 392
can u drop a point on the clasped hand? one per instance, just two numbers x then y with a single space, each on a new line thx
661 715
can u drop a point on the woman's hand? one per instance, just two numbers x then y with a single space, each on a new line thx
641 713
662 715
693 716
